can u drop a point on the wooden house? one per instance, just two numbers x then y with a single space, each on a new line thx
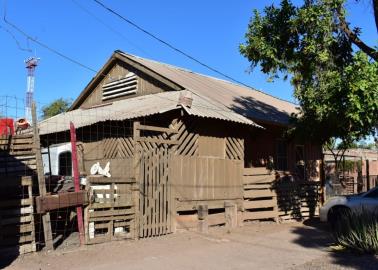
177 143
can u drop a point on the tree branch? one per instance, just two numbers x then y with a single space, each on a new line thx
353 37
375 9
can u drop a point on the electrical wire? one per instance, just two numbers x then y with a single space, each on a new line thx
112 29
15 40
22 32
168 44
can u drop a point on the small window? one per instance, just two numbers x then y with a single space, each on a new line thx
65 164
122 87
281 155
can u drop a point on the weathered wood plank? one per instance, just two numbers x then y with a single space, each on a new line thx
260 215
259 204
154 128
256 171
259 193
264 178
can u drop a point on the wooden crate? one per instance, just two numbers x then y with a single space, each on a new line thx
260 198
17 229
111 213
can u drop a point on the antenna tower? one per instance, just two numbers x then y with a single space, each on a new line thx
31 64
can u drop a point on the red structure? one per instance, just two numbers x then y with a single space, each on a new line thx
6 127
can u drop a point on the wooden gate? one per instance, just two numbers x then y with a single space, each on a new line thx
153 155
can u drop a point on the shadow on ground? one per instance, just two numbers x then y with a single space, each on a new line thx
316 234
6 258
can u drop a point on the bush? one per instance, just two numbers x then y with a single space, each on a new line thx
357 230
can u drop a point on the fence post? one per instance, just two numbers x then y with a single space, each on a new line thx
202 212
41 180
231 213
137 159
79 209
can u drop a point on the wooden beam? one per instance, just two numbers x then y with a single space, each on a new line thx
158 129
41 180
156 140
62 200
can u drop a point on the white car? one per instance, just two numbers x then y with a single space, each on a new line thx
336 206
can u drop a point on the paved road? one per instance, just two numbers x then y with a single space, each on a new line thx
254 246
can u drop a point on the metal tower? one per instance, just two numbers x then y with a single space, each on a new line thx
31 64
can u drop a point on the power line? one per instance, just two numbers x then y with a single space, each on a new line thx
45 45
15 40
168 44
112 29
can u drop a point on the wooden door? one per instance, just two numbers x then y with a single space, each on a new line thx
153 148
155 193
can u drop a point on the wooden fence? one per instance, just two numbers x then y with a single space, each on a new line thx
268 196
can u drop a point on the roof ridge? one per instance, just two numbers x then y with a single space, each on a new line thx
204 75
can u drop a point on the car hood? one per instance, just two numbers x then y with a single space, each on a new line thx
336 200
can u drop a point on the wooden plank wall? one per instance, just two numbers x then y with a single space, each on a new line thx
146 85
121 147
17 167
235 148
187 137
206 178
260 198
195 139
209 146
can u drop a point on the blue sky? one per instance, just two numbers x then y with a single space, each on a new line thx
208 30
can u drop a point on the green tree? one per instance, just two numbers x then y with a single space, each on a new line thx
333 72
56 107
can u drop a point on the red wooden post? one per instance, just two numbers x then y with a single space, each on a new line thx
79 209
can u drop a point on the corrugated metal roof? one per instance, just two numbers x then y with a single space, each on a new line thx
140 107
243 100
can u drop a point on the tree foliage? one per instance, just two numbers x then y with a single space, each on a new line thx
334 73
56 107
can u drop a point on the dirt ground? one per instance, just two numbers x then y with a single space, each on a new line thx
257 245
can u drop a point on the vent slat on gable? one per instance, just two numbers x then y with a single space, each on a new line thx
117 87
121 87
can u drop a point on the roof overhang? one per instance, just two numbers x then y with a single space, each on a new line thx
138 107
